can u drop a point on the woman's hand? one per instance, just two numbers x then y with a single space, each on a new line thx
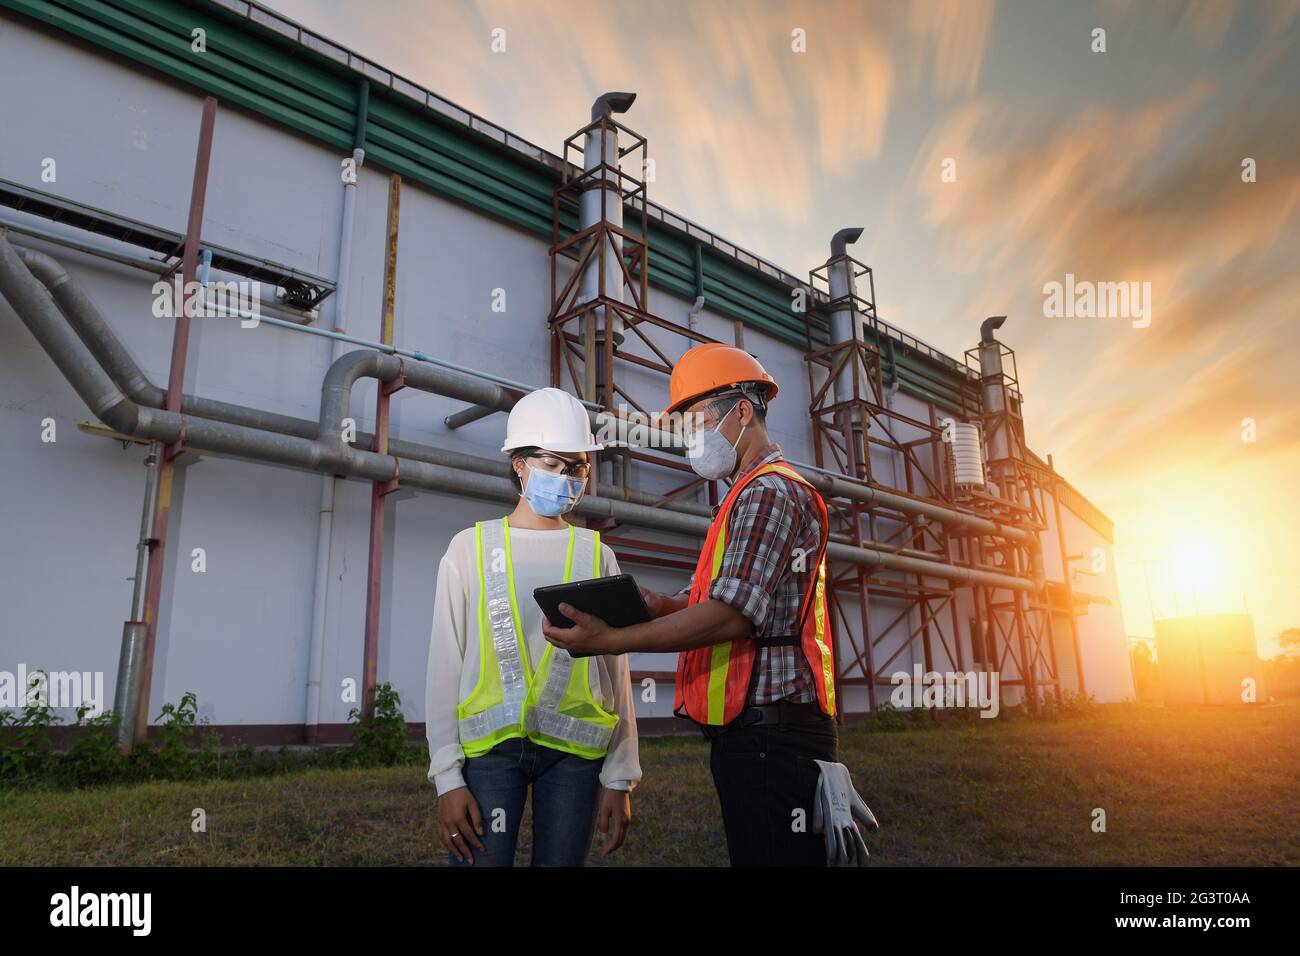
459 823
613 818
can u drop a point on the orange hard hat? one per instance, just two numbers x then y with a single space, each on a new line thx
711 367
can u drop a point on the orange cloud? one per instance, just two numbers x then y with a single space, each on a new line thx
743 128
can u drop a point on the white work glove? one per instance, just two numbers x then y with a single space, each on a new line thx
836 807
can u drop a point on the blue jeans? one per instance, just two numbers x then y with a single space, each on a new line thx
565 790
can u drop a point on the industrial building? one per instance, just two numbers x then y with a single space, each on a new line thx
1209 659
186 506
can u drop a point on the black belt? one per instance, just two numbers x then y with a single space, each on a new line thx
782 712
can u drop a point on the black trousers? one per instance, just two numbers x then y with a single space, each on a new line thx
766 781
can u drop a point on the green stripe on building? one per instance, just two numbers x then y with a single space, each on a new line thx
252 66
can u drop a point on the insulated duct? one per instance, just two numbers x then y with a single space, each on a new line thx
1001 441
329 453
843 317
601 200
127 375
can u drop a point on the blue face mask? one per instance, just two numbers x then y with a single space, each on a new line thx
551 494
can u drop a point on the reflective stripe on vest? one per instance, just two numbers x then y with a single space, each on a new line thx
554 705
713 683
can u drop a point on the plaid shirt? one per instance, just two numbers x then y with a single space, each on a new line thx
772 517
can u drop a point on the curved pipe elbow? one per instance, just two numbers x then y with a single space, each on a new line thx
124 417
693 315
336 388
608 103
841 241
359 363
91 328
989 325
46 268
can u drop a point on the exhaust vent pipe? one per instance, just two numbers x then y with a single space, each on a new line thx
994 392
602 201
843 319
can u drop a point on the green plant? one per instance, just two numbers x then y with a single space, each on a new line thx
168 756
1072 704
181 748
25 751
93 757
888 719
380 738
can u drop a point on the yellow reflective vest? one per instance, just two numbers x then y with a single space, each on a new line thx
551 705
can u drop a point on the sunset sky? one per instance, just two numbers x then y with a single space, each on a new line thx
1123 165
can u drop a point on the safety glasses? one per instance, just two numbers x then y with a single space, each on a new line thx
708 416
556 465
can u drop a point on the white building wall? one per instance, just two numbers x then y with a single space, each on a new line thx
1107 671
237 634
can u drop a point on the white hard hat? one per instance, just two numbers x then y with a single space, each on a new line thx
552 419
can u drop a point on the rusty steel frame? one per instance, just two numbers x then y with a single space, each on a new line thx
1013 630
380 490
157 542
844 431
591 371
1020 626
584 362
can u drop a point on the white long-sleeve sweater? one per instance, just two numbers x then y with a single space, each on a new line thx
538 558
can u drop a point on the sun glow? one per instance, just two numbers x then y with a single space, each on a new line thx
1198 563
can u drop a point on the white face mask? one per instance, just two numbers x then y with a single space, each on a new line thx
709 452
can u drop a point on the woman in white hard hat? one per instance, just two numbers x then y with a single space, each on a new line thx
505 710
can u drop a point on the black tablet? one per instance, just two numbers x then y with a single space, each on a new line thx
614 599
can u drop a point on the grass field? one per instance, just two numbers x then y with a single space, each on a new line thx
1179 787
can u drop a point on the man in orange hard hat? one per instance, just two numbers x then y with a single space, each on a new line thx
755 670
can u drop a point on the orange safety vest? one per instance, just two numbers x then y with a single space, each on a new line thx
714 683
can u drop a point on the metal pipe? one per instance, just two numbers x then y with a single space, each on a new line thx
215 306
471 389
142 544
132 259
118 362
478 389
993 385
36 307
601 200
86 320
831 484
989 326
467 416
845 332
840 280
52 273
126 693
122 368
693 315
325 513
328 451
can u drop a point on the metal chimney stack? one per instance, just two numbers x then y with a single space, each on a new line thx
602 200
845 325
1002 441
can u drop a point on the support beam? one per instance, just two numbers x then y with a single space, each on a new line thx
175 386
